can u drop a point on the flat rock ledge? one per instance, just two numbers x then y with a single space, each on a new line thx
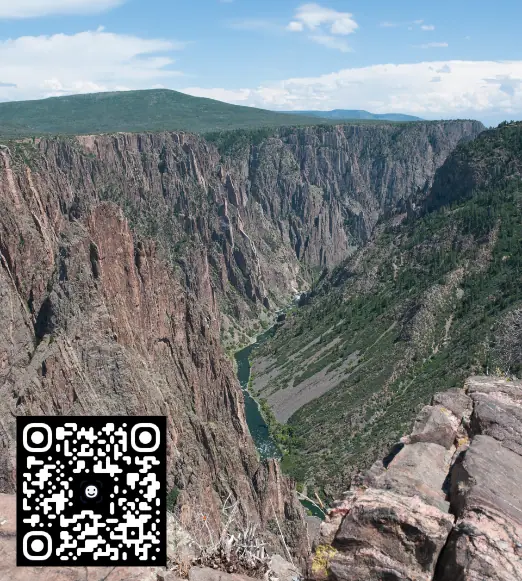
447 507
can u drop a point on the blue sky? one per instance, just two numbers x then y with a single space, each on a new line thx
437 59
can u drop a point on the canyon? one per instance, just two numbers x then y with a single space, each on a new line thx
131 264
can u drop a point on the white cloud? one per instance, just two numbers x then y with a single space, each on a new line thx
33 8
331 42
41 66
434 45
295 26
312 16
427 27
483 89
323 25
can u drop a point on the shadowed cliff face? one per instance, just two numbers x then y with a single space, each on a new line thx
123 259
97 322
267 211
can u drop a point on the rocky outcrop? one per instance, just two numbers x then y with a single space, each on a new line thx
447 506
486 498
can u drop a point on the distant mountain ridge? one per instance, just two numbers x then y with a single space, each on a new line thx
139 111
360 114
134 111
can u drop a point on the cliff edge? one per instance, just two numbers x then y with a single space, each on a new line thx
444 505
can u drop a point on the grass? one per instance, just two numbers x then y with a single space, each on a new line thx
421 306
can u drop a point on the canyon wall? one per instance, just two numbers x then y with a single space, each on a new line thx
127 259
96 322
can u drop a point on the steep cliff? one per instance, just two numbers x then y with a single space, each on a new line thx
269 208
95 321
434 296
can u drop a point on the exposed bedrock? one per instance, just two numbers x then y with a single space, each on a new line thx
447 507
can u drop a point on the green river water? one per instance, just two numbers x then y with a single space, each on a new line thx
265 444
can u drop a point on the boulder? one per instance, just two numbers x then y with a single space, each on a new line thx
436 424
283 570
497 410
486 543
389 536
419 469
488 481
454 400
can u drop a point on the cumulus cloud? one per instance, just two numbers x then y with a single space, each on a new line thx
331 42
506 84
324 25
41 66
465 89
312 16
427 27
33 8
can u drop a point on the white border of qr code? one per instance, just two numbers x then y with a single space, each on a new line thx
37 449
133 437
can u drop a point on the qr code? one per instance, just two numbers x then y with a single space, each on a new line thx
91 491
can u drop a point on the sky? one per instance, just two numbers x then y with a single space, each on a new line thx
444 59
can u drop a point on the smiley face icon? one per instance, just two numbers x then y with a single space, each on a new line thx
91 491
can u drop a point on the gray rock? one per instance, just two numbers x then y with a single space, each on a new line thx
387 534
284 570
488 480
313 524
491 384
486 543
436 424
207 574
497 410
455 400
419 469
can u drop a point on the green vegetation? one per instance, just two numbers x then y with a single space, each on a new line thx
413 313
283 434
172 498
134 111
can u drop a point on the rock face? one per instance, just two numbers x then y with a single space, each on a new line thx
124 259
485 496
257 210
96 321
447 507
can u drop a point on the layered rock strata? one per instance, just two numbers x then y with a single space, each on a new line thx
446 505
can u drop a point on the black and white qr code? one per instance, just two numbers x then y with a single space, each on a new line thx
91 491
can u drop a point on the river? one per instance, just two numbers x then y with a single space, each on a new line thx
265 444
